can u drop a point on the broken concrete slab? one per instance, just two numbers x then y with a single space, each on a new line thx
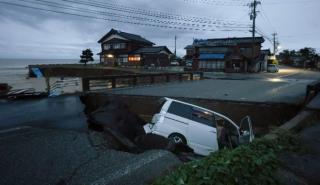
42 156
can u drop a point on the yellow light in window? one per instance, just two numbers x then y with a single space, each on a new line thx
134 59
110 56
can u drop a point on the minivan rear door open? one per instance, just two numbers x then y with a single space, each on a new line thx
246 132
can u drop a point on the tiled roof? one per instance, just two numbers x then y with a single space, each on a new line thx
154 49
129 36
227 41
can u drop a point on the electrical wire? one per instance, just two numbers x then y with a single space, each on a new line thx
115 20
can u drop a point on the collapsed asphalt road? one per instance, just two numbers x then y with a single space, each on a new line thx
113 118
60 157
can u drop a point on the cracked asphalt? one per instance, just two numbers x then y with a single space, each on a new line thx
47 156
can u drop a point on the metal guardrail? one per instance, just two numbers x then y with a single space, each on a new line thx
114 81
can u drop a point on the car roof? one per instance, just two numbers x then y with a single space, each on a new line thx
216 113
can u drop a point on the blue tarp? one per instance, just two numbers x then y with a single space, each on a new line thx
211 56
37 72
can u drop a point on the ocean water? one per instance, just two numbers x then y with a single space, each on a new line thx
15 71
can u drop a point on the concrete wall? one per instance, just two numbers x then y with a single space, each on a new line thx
73 70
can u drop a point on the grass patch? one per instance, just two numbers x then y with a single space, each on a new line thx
248 164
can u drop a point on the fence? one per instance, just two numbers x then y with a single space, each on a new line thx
116 81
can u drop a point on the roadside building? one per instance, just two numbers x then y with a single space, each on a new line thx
226 54
121 48
264 59
298 60
158 56
189 55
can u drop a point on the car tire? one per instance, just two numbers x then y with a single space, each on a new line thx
177 138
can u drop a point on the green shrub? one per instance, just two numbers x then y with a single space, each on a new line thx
248 164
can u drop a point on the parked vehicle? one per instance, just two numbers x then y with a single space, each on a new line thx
272 68
203 130
174 63
189 63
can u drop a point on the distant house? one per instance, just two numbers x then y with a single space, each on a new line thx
152 56
225 54
121 48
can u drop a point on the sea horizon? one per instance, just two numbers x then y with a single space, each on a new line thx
15 71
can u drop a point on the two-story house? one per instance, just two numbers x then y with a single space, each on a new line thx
226 54
121 48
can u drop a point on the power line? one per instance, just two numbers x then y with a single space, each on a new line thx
158 14
114 20
219 2
158 21
77 9
265 16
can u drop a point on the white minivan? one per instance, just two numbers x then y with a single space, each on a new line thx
203 130
272 68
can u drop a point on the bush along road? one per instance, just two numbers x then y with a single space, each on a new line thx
257 163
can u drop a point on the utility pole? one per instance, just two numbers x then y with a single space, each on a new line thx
175 46
253 16
274 43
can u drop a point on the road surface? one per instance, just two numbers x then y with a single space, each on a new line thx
287 86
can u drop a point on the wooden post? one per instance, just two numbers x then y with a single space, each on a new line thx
113 83
180 77
48 89
201 75
167 78
85 85
191 76
135 79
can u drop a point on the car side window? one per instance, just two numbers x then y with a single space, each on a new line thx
227 125
203 116
180 109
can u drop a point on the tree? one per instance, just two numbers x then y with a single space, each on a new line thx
285 56
308 53
87 56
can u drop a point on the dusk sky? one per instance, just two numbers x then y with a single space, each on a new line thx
36 33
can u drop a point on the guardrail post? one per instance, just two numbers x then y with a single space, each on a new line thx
152 79
113 83
85 85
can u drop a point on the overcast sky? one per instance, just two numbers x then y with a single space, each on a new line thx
34 33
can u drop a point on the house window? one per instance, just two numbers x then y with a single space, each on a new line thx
107 46
211 64
135 58
116 46
123 45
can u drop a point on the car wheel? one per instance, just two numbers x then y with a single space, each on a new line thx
178 138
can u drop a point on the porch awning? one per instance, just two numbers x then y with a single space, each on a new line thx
214 56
